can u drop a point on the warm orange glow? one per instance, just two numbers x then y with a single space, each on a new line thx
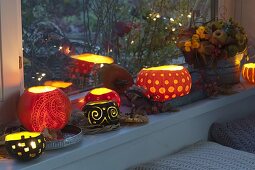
100 94
59 84
100 91
97 102
81 101
18 135
165 82
43 107
166 67
248 72
93 58
249 65
41 89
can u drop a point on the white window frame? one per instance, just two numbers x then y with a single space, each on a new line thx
10 58
11 72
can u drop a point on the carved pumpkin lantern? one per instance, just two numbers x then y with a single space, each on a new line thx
99 94
25 146
43 107
165 82
102 113
248 72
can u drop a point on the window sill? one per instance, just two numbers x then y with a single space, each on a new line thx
164 134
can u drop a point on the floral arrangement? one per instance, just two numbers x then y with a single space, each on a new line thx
206 44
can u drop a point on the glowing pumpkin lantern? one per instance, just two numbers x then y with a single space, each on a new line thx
102 113
25 146
99 94
165 82
43 107
248 72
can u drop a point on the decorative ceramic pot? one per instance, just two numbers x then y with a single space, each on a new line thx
227 71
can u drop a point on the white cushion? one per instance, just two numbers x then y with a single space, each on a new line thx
203 156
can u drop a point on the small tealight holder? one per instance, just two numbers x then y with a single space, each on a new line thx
25 146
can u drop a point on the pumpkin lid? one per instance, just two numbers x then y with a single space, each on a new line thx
116 77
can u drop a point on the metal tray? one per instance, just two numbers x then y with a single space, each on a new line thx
72 135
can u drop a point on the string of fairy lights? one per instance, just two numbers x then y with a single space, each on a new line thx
155 16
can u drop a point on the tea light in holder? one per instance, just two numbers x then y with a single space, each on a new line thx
248 72
102 113
43 107
165 82
98 60
25 146
99 94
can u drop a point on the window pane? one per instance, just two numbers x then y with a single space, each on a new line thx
135 33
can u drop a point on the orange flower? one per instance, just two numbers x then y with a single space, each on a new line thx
195 37
187 49
187 46
200 31
195 44
207 36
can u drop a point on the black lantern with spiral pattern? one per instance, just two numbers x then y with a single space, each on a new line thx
102 113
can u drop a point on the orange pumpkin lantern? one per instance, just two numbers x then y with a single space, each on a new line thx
248 72
43 107
100 94
165 82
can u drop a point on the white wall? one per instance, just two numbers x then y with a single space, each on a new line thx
11 49
1 86
241 11
226 9
245 14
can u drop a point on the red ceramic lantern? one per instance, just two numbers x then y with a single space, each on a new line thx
82 67
165 82
43 107
248 72
99 94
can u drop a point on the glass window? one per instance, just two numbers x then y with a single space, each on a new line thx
135 33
